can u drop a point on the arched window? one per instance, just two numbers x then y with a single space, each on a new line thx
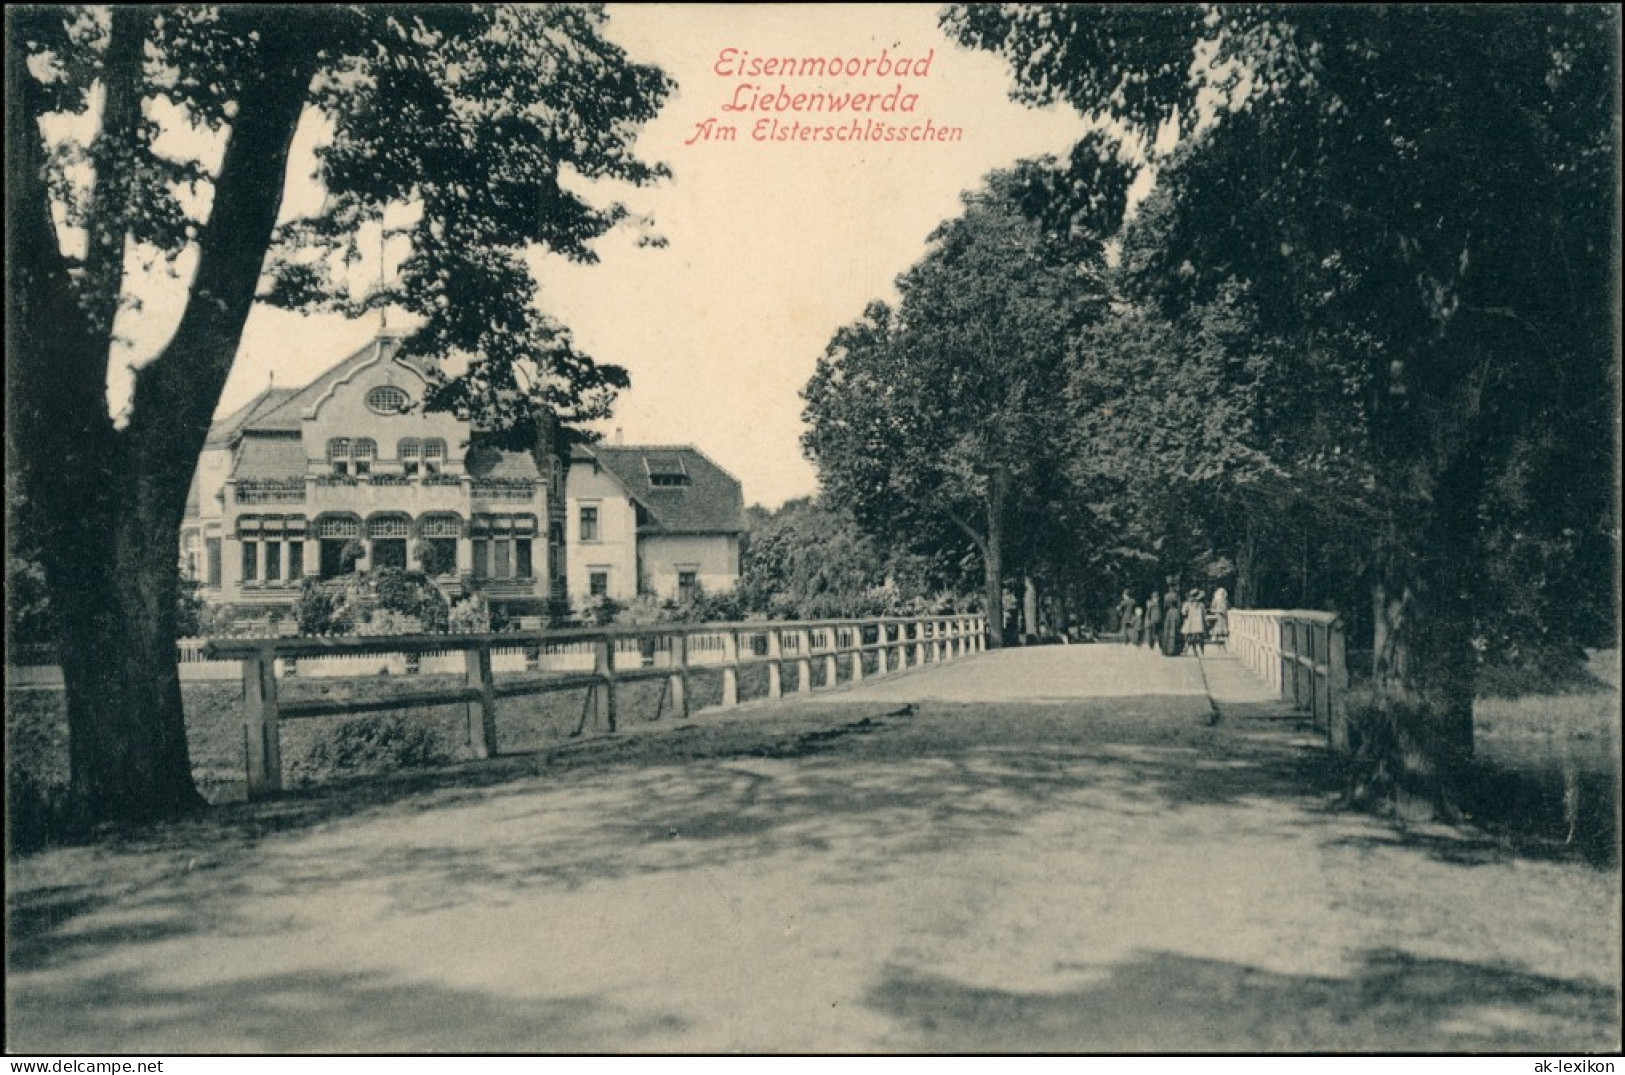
363 450
409 450
338 454
434 455
437 542
388 533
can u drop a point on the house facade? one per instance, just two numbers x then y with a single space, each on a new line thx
350 473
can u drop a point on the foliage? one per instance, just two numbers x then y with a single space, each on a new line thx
386 601
809 561
470 614
28 603
435 560
1435 247
939 412
375 744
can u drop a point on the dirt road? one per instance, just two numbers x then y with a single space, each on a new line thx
935 862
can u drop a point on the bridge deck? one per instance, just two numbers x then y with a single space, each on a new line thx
1075 673
932 862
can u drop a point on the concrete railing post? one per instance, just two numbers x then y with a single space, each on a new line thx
775 663
480 715
262 734
919 642
832 670
730 668
603 665
855 637
803 661
677 684
1337 678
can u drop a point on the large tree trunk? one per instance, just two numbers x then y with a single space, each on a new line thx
106 504
115 600
993 561
1424 665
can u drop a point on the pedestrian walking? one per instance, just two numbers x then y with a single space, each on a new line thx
1221 616
1170 621
1153 620
1193 616
1125 616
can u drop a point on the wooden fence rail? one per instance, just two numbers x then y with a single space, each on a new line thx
607 657
1301 654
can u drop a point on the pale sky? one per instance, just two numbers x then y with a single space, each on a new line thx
773 246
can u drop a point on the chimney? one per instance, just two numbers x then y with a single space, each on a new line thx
619 439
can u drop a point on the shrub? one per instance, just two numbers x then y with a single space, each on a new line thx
470 615
374 744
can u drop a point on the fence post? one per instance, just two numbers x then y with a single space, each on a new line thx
832 671
481 714
730 668
262 735
1337 678
883 651
678 682
919 642
857 653
775 664
603 665
803 661
939 632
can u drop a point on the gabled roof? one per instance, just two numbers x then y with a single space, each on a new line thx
262 455
283 409
229 428
711 502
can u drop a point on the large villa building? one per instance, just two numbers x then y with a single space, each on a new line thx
349 473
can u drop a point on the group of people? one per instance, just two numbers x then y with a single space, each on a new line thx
1165 622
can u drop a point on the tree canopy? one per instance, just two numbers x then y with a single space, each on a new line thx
943 408
1421 205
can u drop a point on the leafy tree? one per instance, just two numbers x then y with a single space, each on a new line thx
1423 202
944 409
468 119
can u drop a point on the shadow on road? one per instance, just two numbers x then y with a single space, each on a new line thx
1168 1002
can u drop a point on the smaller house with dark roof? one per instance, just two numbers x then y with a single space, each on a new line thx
651 519
350 473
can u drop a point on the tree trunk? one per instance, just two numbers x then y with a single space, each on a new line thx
993 561
1424 665
115 600
1246 557
106 504
1029 610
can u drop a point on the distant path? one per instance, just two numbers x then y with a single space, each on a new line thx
931 862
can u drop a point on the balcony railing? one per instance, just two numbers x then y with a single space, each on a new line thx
269 491
504 489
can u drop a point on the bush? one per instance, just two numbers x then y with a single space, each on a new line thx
374 744
37 814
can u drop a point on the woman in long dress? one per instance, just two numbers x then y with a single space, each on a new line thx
1170 622
1221 615
1194 617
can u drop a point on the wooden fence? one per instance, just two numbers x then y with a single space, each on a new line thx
598 660
1301 654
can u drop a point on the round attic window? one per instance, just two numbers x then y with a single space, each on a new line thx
387 399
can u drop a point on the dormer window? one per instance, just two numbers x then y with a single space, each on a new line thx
387 399
665 471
